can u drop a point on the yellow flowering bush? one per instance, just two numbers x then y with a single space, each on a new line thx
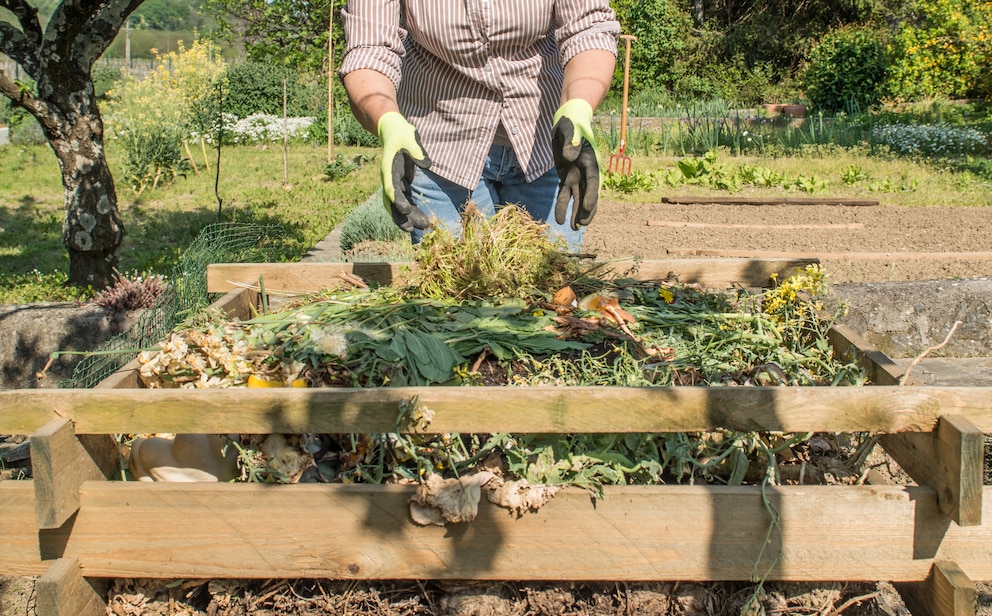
945 50
152 118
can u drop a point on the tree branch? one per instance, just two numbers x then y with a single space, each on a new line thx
27 16
21 97
24 44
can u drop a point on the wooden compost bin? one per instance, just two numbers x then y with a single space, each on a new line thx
75 529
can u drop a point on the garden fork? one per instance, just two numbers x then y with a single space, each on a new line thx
620 163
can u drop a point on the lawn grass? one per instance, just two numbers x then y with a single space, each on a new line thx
161 222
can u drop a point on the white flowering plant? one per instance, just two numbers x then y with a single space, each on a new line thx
265 128
931 140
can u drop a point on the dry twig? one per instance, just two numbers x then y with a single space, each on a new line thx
905 377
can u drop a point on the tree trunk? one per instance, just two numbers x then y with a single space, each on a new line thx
92 231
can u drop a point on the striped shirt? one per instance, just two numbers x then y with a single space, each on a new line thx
465 68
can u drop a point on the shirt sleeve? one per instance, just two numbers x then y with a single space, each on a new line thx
582 25
374 38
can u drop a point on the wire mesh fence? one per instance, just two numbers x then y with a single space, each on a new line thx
185 295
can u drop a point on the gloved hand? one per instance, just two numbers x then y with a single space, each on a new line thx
401 153
577 162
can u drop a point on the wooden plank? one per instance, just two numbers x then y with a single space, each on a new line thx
679 224
59 465
951 459
824 256
947 591
21 553
692 533
62 591
312 277
237 302
881 370
301 277
545 409
693 200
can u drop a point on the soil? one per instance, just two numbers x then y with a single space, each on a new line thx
908 274
884 243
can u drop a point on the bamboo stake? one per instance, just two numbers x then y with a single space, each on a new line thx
330 84
192 161
285 138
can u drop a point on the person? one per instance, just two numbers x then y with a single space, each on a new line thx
482 101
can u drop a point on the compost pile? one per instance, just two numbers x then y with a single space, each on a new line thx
502 305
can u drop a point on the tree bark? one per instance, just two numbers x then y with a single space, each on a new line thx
92 231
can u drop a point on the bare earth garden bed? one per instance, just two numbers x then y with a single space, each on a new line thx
908 273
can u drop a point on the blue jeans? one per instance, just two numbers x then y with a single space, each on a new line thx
502 183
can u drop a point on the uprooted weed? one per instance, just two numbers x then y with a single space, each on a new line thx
506 255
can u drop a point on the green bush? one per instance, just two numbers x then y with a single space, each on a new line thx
846 70
662 29
151 118
347 130
257 87
744 85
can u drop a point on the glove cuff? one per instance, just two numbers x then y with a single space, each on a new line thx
578 110
391 122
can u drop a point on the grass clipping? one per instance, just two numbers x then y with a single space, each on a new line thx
506 255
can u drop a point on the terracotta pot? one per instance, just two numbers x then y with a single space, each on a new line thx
772 109
794 111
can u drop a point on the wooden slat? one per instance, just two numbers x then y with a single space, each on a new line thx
62 591
830 226
689 200
59 465
312 277
824 256
364 532
951 459
497 409
303 277
946 592
881 370
238 303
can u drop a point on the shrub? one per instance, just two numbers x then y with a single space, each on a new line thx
846 70
105 78
662 29
944 49
369 222
347 130
153 117
257 87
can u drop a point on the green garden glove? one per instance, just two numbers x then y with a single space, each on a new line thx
577 162
401 154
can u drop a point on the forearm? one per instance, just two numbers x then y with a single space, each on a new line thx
588 76
371 94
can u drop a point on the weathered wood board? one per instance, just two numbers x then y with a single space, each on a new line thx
364 532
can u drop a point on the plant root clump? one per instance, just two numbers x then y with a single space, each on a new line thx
132 293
